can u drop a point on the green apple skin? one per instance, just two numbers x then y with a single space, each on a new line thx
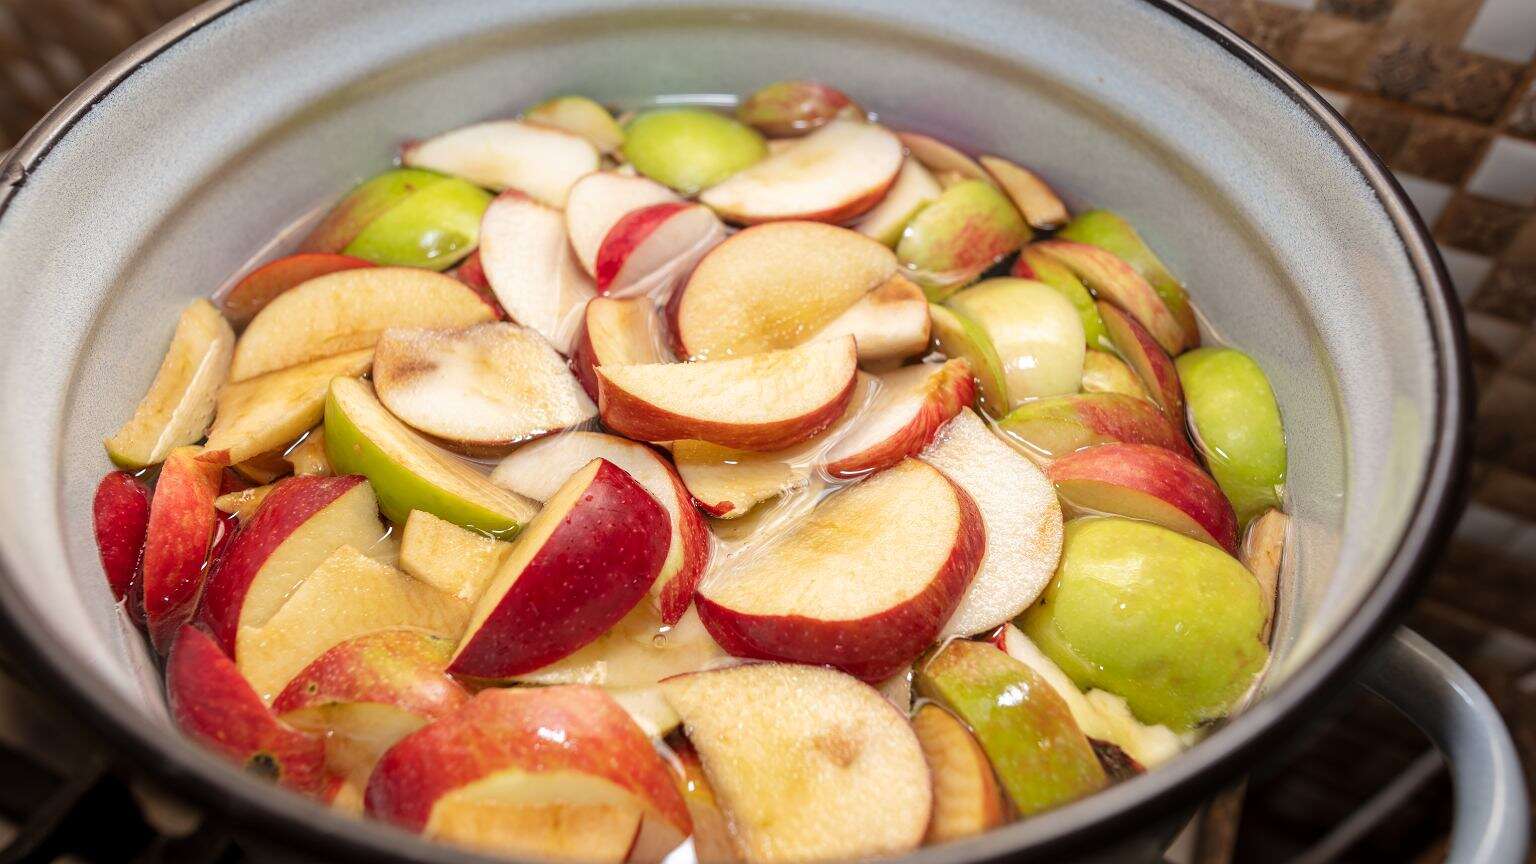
1113 234
434 228
949 243
368 201
955 335
1235 422
1167 622
1043 268
1036 331
690 149
1041 757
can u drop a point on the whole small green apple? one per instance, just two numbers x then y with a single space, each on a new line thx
434 227
690 149
952 241
1236 424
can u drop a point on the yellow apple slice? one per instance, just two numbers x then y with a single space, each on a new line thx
1037 201
966 798
508 154
914 187
268 411
940 157
451 559
832 175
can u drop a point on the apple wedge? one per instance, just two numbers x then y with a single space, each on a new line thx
968 229
889 323
598 201
1037 201
907 410
1021 516
404 218
534 772
1103 372
1112 233
530 266
346 311
243 503
182 524
179 405
914 188
1115 281
959 338
308 456
616 332
636 652
270 410
712 841
648 250
506 154
258 288
1144 355
862 787
582 116
966 798
589 556
1053 428
787 109
771 286
215 707
263 468
834 174
482 390
451 559
120 515
690 148
1142 481
939 157
1034 264
410 473
864 583
538 470
1037 334
1263 552
766 401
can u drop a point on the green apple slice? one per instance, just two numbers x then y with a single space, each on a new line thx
690 148
958 336
1043 268
1236 425
1036 331
435 227
967 229
368 201
408 472
1110 232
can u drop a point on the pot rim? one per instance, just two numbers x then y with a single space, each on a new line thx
266 812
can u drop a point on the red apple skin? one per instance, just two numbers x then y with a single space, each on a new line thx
259 287
120 511
281 512
1158 473
872 648
182 520
1147 358
403 668
678 593
584 360
215 706
500 730
951 389
472 273
617 533
1117 417
626 235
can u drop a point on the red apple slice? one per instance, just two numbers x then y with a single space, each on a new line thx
1150 362
616 332
1117 282
259 287
538 470
1060 425
120 512
1021 515
649 249
482 390
941 158
589 556
1150 483
906 412
832 175
1037 201
598 201
861 787
889 323
531 268
863 583
181 527
506 154
773 286
765 401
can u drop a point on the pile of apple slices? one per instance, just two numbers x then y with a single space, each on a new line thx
572 443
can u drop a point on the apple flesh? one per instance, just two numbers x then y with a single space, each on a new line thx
1021 516
179 405
712 841
1103 372
1169 623
270 410
862 787
616 332
1263 552
1053 428
863 583
1041 207
590 555
531 267
914 188
1143 354
598 201
120 513
1110 232
1236 426
1113 280
404 218
966 797
253 292
582 116
453 560
1143 481
243 503
890 323
482 390
649 249
182 521
1034 264
788 109
834 174
690 149
536 160
1041 757
908 408
308 456
1036 332
942 158
967 229
761 402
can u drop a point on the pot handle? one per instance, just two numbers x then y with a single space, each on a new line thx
1492 818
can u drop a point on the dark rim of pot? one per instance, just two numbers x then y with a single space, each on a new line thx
270 815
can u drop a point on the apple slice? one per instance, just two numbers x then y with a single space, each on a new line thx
1103 372
1113 280
506 154
258 288
616 332
538 470
263 468
346 311
270 410
787 109
180 403
1036 332
1112 233
940 157
1141 481
409 473
649 249
482 390
531 268
690 148
970 227
451 559
182 521
959 338
120 513
530 772
1235 421
598 201
907 542
308 456
364 205
889 323
1052 428
772 286
1037 201
589 556
636 652
906 412
404 218
765 401
1034 264
861 786
1143 354
966 798
243 503
582 116
712 841
1262 553
833 175
215 707
1020 513
914 188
